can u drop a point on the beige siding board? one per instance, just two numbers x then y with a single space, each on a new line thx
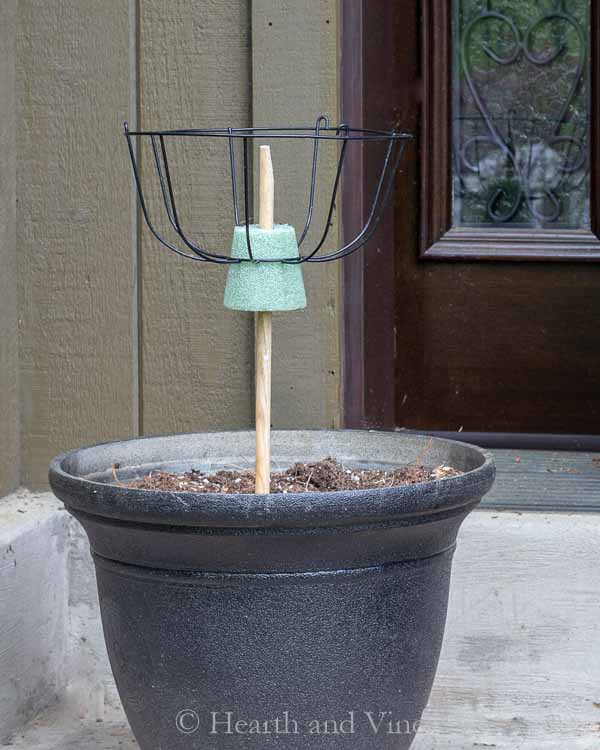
74 242
196 356
9 396
294 44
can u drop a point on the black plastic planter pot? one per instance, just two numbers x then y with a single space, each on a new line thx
297 621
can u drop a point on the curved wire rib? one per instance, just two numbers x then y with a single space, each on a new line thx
166 197
328 222
247 201
377 208
144 208
320 131
234 193
204 254
322 121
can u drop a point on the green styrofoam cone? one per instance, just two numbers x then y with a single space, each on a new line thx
257 287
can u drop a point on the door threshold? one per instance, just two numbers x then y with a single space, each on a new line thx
539 441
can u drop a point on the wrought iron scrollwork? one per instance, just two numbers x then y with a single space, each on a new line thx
520 164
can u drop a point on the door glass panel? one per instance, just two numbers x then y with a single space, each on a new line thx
521 82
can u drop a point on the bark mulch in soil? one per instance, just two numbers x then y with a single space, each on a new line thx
327 475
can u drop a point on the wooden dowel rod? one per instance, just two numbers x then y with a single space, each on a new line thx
263 337
263 401
266 189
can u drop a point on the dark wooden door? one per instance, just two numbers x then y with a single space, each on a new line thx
471 321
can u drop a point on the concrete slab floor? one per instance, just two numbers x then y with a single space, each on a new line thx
58 729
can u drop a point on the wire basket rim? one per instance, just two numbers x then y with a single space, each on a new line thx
329 132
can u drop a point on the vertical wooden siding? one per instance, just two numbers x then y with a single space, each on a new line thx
196 357
294 63
212 64
118 336
76 271
9 399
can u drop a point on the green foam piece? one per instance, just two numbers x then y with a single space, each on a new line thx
256 287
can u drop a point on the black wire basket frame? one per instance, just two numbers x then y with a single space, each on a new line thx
321 131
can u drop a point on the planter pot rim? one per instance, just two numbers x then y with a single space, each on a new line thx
81 478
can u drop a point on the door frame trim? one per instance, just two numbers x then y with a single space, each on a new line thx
353 356
368 361
364 369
